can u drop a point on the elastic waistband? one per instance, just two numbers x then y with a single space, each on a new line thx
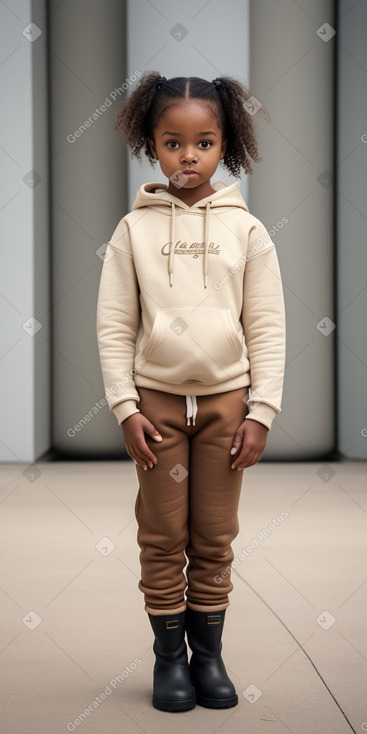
191 409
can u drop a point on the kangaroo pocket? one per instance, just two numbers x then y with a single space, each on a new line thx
193 344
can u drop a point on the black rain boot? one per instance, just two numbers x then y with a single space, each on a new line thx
172 685
213 688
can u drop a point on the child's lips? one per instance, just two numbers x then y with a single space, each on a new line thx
190 173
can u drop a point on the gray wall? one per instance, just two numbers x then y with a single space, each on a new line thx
25 364
54 230
292 69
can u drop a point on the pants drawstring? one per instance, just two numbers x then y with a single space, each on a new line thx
191 409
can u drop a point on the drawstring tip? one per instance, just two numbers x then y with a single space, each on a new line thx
205 281
171 279
191 409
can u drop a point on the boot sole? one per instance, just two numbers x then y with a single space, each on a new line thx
217 703
173 706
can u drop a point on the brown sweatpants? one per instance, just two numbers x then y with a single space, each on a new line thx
187 504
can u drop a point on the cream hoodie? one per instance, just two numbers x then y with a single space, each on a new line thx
191 302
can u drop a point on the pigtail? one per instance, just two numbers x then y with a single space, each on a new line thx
133 115
240 129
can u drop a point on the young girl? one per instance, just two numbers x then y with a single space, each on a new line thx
191 337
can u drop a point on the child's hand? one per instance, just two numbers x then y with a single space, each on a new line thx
250 440
134 427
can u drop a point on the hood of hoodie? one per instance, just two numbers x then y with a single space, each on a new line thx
156 195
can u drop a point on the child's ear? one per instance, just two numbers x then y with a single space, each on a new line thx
152 147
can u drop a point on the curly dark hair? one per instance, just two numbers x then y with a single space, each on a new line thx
140 111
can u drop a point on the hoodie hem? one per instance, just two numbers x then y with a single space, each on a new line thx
260 412
192 387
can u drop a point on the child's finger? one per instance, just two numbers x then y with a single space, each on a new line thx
151 430
144 453
138 456
249 459
237 441
134 456
241 458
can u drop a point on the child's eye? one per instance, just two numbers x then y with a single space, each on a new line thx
207 144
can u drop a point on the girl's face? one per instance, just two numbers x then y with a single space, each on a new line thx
187 138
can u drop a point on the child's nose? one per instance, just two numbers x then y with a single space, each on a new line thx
188 155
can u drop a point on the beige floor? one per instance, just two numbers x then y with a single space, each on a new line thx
295 639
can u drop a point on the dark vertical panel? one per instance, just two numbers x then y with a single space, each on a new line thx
352 230
87 60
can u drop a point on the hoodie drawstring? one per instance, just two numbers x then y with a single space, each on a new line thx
206 245
191 409
172 244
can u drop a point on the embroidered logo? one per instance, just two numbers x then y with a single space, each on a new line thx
195 249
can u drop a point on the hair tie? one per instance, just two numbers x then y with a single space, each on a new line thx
217 83
160 81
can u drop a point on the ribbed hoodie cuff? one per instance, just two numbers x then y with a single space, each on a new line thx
263 413
124 409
